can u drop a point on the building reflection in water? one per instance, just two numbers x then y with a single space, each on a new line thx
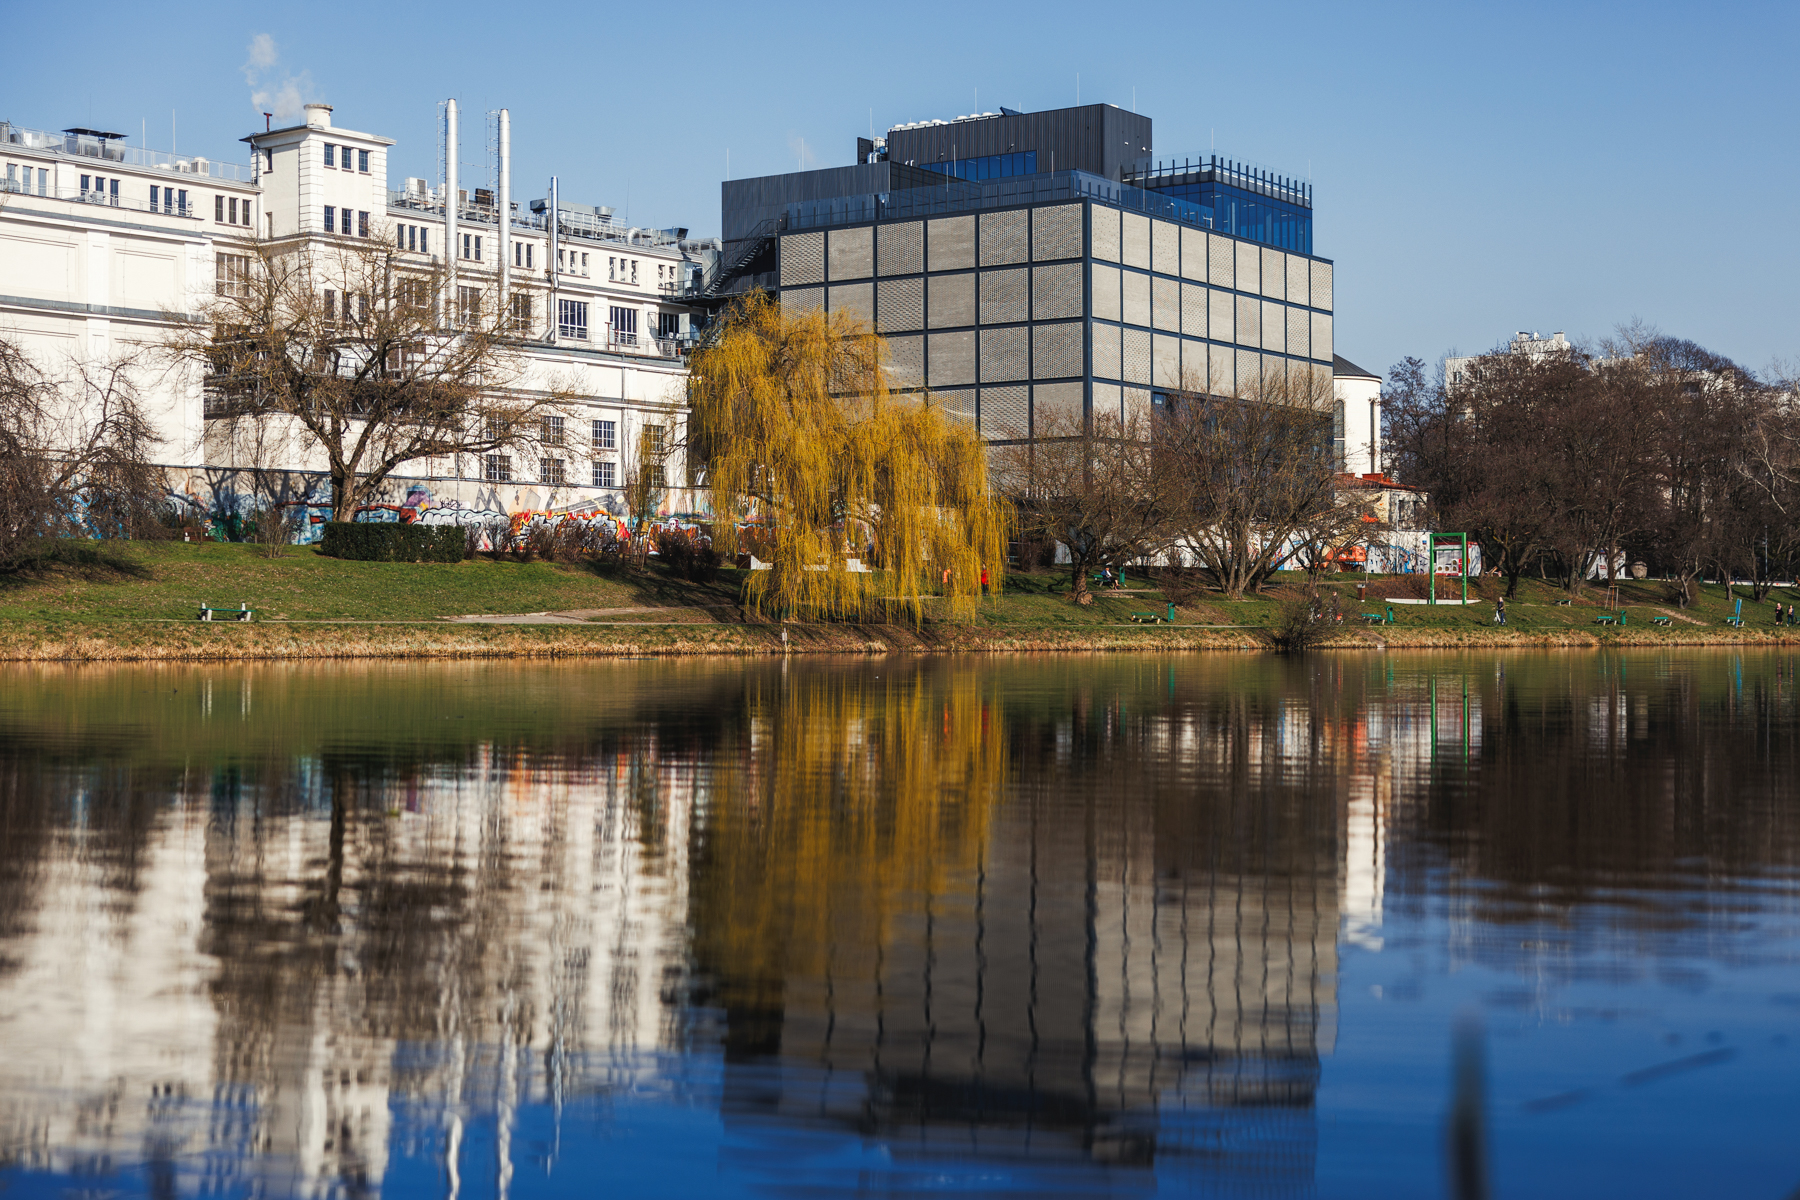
264 930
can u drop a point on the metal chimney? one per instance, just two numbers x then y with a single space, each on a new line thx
551 263
451 246
505 200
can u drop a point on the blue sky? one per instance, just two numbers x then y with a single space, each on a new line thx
1478 168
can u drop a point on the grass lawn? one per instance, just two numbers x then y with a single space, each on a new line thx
116 582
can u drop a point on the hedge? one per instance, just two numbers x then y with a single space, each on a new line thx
389 541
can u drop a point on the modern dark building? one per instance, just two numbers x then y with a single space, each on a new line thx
1027 263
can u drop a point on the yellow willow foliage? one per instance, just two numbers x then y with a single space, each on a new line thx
792 424
858 797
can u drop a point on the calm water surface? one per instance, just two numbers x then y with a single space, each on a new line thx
1085 925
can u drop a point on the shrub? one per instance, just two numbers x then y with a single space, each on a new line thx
686 556
388 542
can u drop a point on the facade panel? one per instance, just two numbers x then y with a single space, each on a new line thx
1058 406
1134 301
1299 331
950 300
1105 225
952 359
950 243
1299 280
1056 232
906 361
1056 291
958 405
1321 337
857 298
1165 303
1005 296
1165 247
1274 274
1221 367
1193 310
1221 261
1194 373
1006 413
1106 292
1249 267
1134 240
1193 255
1056 351
1108 345
1106 402
1005 237
1249 321
1321 285
1165 360
1249 371
1005 354
900 248
850 253
802 258
900 304
1135 406
1221 316
1274 327
801 300
1136 365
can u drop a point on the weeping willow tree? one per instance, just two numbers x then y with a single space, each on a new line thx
794 432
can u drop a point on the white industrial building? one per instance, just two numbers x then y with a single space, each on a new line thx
104 247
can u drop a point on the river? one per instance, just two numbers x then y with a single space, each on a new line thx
1037 925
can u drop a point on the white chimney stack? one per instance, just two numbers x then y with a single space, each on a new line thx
318 116
451 248
505 202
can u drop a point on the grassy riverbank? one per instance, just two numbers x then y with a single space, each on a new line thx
126 601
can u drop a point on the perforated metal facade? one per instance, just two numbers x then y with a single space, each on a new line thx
1056 232
900 304
850 253
1005 237
950 359
802 259
1056 351
1005 296
950 300
1056 291
1006 413
1005 354
950 243
900 248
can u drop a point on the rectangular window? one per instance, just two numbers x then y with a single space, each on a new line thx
113 196
499 468
603 475
362 224
154 193
362 161
572 319
330 219
528 249
219 208
551 431
611 271
668 325
634 263
478 247
584 267
655 477
233 275
43 181
330 307
468 303
234 211
653 439
424 239
400 236
465 245
550 470
181 201
606 435
518 254
330 155
624 325
521 313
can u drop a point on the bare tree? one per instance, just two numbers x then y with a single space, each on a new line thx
1099 487
349 350
1255 477
75 454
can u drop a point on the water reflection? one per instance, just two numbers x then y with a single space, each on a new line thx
1065 924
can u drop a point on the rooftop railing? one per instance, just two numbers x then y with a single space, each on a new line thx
107 150
584 226
173 208
1213 169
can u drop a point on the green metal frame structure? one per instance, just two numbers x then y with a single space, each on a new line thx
1460 539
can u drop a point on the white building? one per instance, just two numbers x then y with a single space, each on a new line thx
1530 344
103 247
1358 395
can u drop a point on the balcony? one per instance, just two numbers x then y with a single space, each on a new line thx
190 210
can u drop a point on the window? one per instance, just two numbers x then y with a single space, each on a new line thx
330 155
330 307
521 313
362 224
611 270
468 305
624 325
471 247
584 269
155 194
330 219
668 325
362 161
400 235
634 263
518 254
991 166
606 435
219 208
655 478
362 308
43 181
477 247
424 240
181 201
551 431
528 250
603 475
653 439
414 294
465 245
550 470
233 275
499 468
572 319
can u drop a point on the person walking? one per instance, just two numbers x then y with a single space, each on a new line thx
1500 611
984 580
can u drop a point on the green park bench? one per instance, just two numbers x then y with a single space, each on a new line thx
1659 620
1118 580
1736 619
240 613
1150 618
1375 618
1617 618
